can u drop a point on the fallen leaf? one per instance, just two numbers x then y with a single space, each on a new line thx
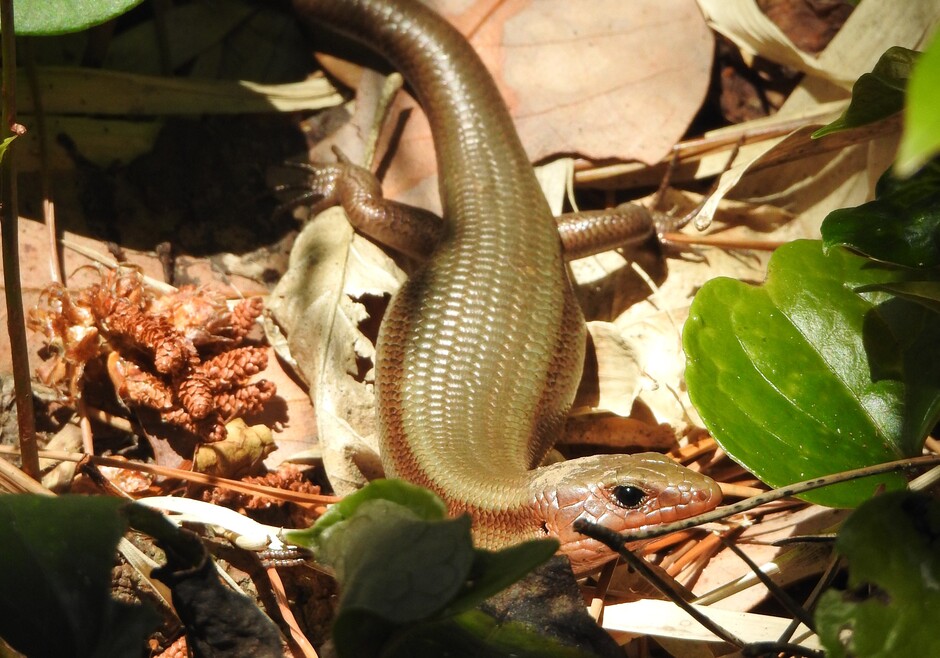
320 305
608 83
728 583
815 186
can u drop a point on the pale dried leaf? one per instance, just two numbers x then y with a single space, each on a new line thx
727 582
749 28
665 619
352 136
556 178
316 303
619 366
58 476
70 90
847 175
654 327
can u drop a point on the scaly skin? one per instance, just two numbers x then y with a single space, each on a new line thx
480 353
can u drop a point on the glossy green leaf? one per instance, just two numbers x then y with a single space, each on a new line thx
876 95
901 225
892 544
921 138
56 556
804 376
46 17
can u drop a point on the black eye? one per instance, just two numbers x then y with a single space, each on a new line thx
628 496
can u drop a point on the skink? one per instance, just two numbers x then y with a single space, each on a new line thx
480 353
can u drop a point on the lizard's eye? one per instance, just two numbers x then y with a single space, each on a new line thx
628 496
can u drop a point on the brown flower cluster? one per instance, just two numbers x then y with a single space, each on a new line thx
288 477
181 354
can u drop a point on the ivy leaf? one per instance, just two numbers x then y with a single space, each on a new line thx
56 556
892 544
901 225
876 95
805 376
48 17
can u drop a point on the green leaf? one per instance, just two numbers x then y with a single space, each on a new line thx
876 95
395 569
47 17
803 376
56 556
492 572
362 633
902 224
405 569
920 140
925 293
396 565
423 503
5 145
892 544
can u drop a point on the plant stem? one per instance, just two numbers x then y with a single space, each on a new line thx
9 224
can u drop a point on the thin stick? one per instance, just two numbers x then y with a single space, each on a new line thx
9 226
302 644
723 242
45 179
821 585
643 568
756 501
785 599
199 478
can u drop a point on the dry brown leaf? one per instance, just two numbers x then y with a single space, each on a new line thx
608 83
35 275
291 413
618 433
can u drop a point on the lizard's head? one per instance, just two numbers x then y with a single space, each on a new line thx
619 492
